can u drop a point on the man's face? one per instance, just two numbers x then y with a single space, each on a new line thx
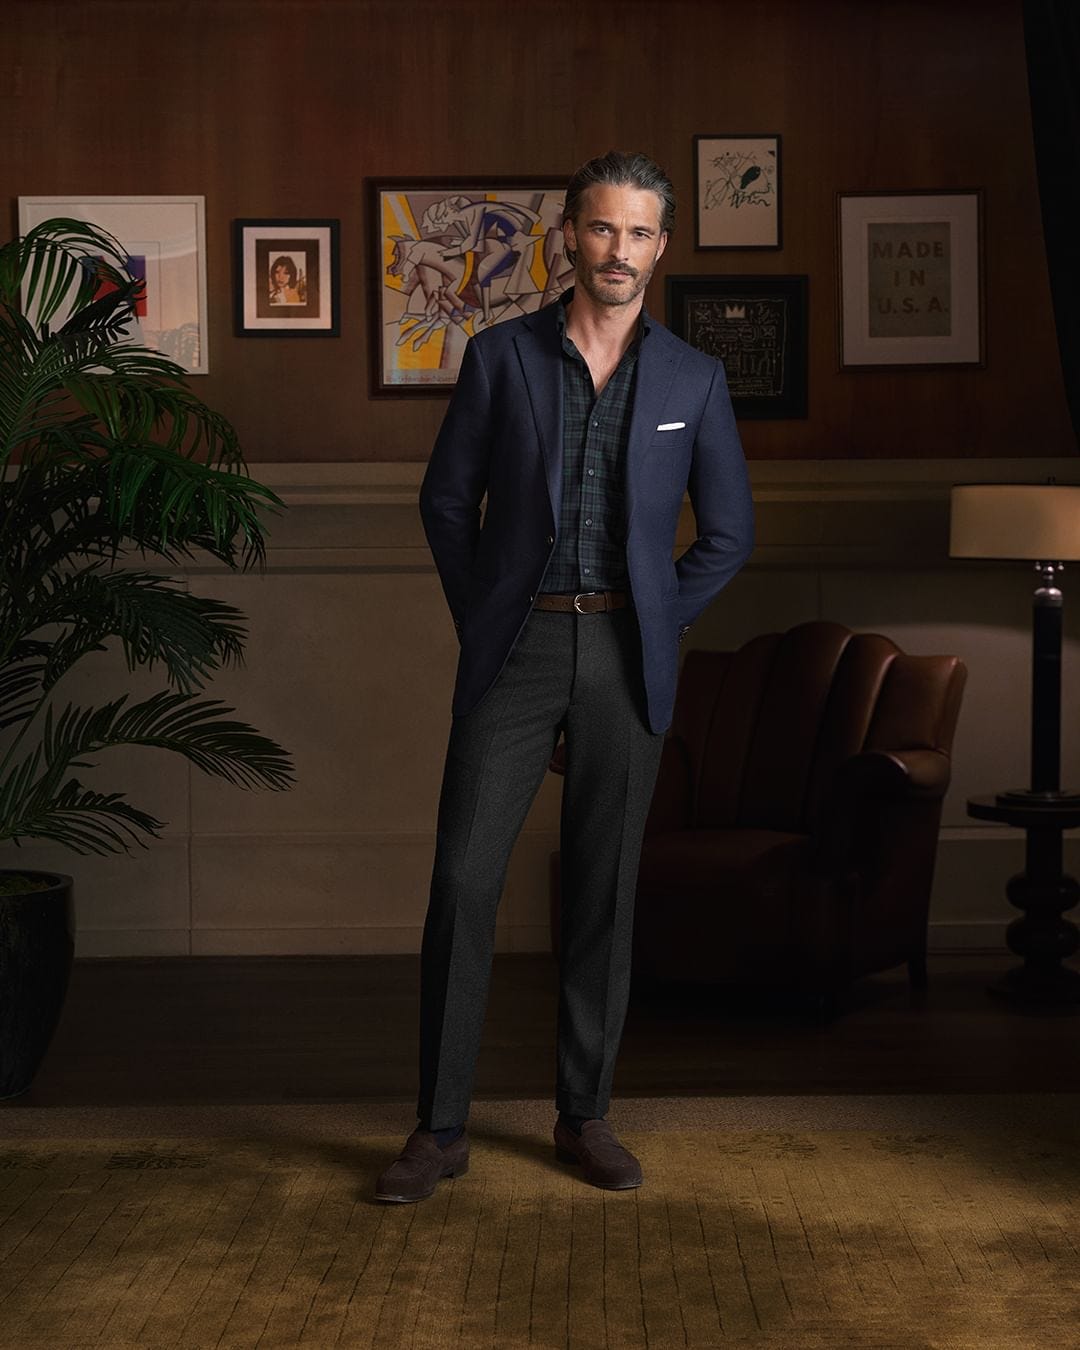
618 241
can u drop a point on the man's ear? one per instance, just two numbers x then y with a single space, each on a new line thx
569 235
662 246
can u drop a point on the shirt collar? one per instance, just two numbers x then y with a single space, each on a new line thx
644 323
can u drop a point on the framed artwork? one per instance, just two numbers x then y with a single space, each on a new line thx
286 278
165 238
757 326
910 279
737 192
453 256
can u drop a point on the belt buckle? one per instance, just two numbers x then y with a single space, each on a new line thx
581 595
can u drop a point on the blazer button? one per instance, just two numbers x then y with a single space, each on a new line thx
551 538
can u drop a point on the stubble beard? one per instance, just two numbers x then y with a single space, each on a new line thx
591 281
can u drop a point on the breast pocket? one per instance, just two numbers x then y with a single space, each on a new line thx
673 450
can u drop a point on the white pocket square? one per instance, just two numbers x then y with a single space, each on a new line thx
671 426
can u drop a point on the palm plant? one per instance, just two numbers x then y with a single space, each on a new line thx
108 460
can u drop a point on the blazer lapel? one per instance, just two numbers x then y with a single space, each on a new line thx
538 352
655 371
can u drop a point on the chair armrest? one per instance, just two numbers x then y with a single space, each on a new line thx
895 773
873 795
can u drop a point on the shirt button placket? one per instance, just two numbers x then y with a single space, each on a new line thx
583 550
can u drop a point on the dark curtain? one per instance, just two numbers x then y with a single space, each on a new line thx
1052 38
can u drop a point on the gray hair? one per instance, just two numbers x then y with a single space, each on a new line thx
620 168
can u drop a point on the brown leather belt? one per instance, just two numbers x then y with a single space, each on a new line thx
585 602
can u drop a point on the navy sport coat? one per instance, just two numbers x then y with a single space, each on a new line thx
502 437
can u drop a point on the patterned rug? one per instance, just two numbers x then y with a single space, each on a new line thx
801 1223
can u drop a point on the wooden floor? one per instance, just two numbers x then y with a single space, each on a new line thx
299 1029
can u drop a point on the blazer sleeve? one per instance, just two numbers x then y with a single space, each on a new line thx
456 480
719 488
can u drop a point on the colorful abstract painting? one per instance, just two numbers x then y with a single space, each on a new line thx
454 258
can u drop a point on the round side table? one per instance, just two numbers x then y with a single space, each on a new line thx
1042 935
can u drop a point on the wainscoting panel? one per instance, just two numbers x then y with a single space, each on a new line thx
350 664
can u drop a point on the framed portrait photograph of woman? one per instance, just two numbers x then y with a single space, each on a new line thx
286 278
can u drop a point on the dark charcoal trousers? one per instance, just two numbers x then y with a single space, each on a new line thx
580 673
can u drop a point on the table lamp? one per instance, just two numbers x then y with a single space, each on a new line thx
1040 523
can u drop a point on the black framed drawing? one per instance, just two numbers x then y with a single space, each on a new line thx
755 325
286 278
737 191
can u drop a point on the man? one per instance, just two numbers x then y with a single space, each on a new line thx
584 424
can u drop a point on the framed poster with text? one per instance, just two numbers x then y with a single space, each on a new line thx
910 279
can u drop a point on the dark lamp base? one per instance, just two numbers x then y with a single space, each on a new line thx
1025 797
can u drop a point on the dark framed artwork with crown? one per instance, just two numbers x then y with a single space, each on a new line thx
757 327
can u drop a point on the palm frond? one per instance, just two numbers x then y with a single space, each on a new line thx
49 260
136 409
159 499
194 728
108 315
36 364
29 378
155 619
39 789
69 502
104 451
17 789
83 821
21 683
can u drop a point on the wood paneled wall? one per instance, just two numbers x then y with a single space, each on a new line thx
283 107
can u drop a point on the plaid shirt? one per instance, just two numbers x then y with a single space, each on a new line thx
590 554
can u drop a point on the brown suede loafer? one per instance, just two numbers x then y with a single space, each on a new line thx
420 1165
606 1163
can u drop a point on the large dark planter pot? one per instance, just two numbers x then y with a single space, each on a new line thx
37 943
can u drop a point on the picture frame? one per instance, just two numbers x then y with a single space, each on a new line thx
757 326
450 256
286 281
165 238
737 191
910 279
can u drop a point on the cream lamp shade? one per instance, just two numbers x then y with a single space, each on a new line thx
1015 520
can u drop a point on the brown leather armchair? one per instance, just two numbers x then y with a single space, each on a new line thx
793 831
